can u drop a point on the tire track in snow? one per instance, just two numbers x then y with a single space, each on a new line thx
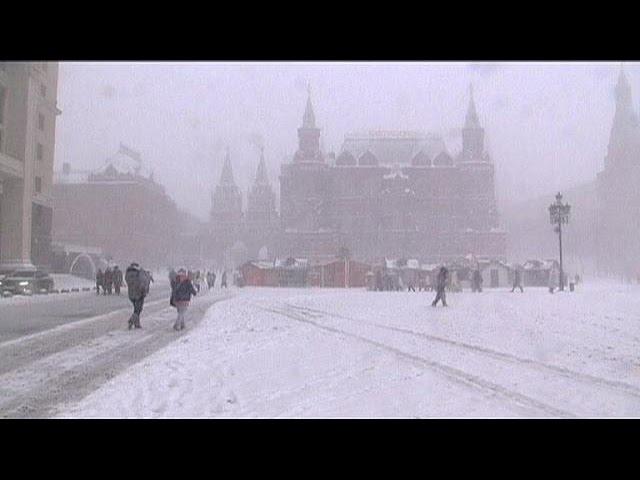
565 372
71 384
455 374
22 351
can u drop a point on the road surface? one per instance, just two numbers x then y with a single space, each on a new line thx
41 371
40 313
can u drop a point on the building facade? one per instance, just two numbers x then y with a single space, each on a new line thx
618 193
28 112
119 209
394 194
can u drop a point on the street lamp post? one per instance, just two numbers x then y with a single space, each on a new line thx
559 214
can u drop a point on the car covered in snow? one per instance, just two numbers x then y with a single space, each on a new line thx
26 282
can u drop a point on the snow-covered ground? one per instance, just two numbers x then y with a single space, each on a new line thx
337 353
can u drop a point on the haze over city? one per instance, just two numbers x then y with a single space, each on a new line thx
547 124
319 239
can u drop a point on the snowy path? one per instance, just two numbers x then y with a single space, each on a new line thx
39 371
336 353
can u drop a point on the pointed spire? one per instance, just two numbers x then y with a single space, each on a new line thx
309 118
623 88
227 172
471 120
261 174
623 139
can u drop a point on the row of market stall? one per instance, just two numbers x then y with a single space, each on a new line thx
390 274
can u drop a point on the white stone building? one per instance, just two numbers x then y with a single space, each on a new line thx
28 112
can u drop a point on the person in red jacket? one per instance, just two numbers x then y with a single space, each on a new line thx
181 294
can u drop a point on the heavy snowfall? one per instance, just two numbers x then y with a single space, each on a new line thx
277 239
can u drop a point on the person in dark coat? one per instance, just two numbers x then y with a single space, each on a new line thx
517 281
476 281
223 281
117 279
137 288
441 285
108 281
181 296
99 280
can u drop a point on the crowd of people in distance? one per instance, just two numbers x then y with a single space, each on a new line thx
448 281
109 281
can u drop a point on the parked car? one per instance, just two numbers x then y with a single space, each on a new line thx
4 273
27 282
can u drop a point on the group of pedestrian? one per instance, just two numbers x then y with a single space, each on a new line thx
109 280
387 282
184 285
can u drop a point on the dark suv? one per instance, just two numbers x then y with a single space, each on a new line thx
27 282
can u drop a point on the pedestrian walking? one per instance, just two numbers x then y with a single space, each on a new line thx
517 280
117 279
99 280
476 281
181 296
108 281
138 287
441 285
554 278
223 280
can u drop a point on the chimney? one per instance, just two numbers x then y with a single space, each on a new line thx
66 168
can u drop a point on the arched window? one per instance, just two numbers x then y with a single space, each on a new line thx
443 159
368 159
345 159
421 159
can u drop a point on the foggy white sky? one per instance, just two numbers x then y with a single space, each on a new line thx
547 125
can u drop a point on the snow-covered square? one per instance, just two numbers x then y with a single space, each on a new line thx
291 353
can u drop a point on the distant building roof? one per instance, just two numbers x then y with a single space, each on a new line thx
291 262
261 264
392 147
